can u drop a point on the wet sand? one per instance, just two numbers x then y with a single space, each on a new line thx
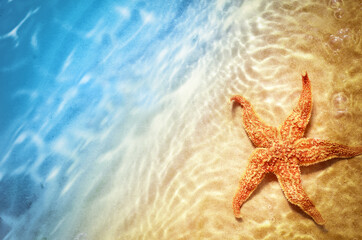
174 172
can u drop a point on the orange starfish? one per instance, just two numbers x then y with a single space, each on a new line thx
282 150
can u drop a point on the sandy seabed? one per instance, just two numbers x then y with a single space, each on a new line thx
181 165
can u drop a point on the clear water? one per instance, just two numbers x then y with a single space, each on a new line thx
115 121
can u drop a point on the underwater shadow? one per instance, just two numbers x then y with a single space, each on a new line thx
269 177
301 212
305 170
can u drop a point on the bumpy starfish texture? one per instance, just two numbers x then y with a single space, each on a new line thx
282 150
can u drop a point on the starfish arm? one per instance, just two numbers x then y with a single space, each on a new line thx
310 151
251 178
259 133
291 183
294 126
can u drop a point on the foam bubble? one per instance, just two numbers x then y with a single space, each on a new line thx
344 38
335 4
340 103
339 13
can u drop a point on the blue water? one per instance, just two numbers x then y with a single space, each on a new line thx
75 78
115 122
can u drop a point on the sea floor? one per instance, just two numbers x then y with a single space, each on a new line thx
120 125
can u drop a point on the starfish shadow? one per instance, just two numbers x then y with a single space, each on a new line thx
300 211
234 105
309 170
269 178
318 167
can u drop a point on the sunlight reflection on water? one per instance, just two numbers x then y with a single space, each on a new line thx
124 130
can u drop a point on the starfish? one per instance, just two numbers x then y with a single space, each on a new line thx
283 150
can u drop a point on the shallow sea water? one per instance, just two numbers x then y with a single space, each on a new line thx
115 119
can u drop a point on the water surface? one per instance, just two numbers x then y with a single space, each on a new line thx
115 119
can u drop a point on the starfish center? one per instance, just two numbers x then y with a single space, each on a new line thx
281 153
